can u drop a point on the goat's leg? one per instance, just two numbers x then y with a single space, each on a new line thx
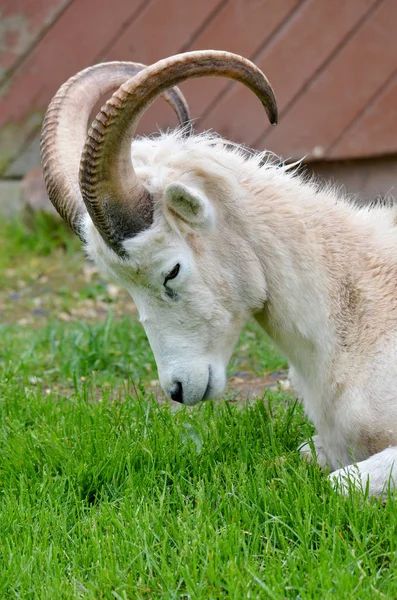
320 456
378 472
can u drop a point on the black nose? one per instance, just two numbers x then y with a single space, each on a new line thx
176 392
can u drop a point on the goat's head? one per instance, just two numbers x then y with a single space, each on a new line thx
151 223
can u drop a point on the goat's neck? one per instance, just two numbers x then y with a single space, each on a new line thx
292 231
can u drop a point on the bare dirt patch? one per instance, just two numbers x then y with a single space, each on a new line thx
59 287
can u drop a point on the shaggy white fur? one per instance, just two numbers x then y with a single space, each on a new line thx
254 238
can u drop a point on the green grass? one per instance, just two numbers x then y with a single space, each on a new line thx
35 234
106 493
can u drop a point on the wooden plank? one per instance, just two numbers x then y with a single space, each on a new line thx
238 26
241 27
290 60
74 42
374 132
23 103
163 29
21 23
340 92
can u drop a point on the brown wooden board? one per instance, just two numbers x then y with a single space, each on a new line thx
240 27
164 28
374 131
22 22
290 60
331 62
74 42
339 93
88 32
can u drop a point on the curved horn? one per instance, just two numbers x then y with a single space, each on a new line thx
118 203
65 129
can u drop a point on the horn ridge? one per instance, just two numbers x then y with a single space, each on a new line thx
108 182
65 128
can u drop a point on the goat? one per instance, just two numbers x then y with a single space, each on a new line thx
205 236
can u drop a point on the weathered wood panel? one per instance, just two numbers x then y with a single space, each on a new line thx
235 26
332 64
338 94
239 27
84 36
22 22
293 57
73 42
162 29
374 131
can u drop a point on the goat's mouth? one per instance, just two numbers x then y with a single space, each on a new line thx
207 393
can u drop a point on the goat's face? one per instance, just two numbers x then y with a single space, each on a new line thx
158 224
195 281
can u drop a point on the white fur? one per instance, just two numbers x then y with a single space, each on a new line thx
316 271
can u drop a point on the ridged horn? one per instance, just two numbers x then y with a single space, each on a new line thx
65 129
118 203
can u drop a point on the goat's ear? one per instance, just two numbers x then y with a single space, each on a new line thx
189 204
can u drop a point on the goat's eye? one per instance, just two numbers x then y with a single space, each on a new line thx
172 274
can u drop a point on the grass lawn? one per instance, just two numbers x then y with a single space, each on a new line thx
109 491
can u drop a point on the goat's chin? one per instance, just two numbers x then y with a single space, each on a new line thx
216 383
214 387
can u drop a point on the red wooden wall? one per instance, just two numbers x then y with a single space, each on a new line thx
332 63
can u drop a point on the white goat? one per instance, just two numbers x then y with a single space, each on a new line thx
204 237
